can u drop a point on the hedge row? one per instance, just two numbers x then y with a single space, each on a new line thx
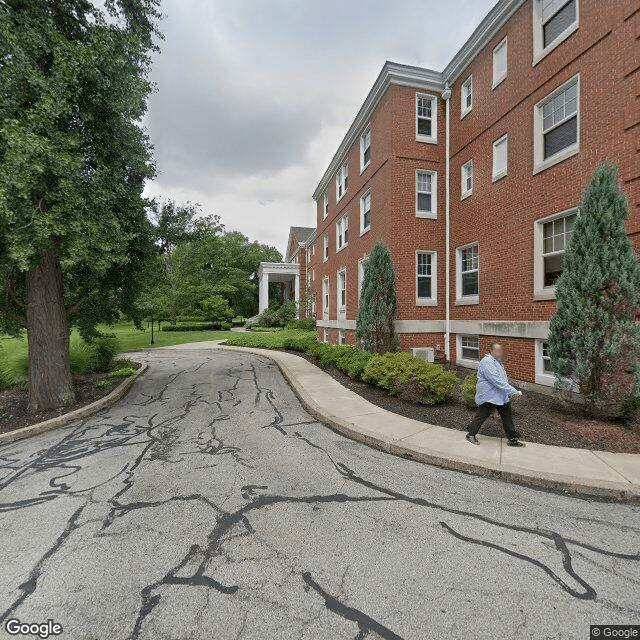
197 326
400 374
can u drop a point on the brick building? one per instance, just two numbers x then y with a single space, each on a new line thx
472 177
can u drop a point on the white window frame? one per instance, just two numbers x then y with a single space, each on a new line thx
539 162
540 292
365 133
325 298
361 266
464 362
325 335
464 192
433 138
325 247
342 232
539 50
342 181
466 86
341 279
543 377
325 205
460 299
342 338
364 229
433 300
433 214
500 76
500 172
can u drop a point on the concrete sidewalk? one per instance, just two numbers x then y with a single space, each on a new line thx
593 473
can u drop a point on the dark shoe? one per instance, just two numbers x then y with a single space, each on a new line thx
514 442
472 439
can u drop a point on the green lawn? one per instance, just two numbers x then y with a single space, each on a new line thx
14 357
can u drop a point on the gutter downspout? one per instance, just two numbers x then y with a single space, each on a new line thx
446 96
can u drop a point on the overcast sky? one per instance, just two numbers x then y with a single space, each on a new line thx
254 96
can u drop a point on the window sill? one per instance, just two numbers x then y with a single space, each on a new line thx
563 155
426 139
344 246
462 302
545 379
499 176
365 167
498 82
464 114
342 196
543 53
427 215
466 194
325 259
426 302
545 294
363 231
469 364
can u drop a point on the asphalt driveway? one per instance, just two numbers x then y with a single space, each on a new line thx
208 505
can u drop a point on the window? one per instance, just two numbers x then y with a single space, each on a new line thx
467 179
466 96
468 276
556 125
325 247
426 194
365 212
342 339
500 158
500 63
553 22
469 348
544 370
342 181
325 335
365 149
342 289
426 128
551 237
325 298
362 265
425 277
546 358
325 205
342 233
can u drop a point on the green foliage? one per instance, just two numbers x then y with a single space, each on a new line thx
14 362
285 339
123 363
279 315
469 389
378 306
103 384
102 351
306 324
216 309
391 370
194 326
125 372
226 326
593 335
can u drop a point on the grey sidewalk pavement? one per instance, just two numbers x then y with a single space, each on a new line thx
593 473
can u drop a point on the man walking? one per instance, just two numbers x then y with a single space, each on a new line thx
493 391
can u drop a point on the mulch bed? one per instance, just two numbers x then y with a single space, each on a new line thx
13 401
539 417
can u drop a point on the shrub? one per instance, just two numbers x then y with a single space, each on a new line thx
102 351
284 339
123 363
125 372
226 326
469 389
195 326
306 324
391 370
103 384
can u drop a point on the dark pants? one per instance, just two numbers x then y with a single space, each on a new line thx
485 410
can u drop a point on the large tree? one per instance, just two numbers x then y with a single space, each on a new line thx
594 337
378 307
73 161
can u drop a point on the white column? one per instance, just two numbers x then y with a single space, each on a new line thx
263 296
296 294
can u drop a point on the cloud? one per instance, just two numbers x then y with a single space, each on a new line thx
254 96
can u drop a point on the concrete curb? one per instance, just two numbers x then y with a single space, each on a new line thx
581 486
82 412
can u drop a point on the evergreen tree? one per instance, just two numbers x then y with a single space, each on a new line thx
378 306
594 339
73 161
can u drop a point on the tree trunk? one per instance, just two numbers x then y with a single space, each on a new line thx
50 383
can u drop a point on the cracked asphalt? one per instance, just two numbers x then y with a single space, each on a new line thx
208 504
